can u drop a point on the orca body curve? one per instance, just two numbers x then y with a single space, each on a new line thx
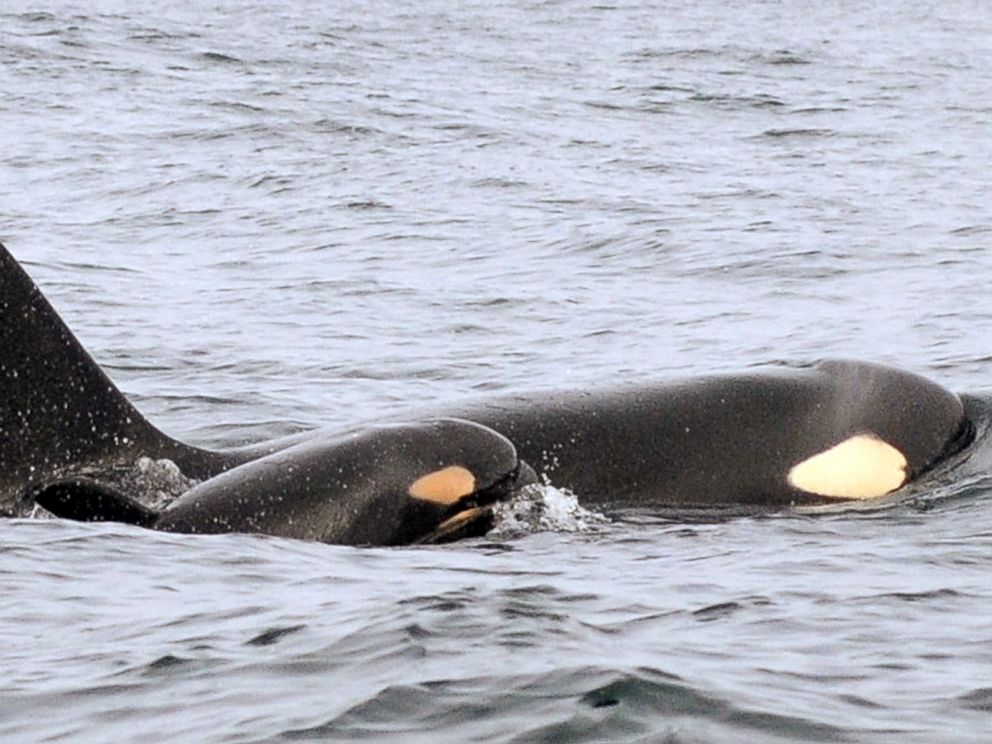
746 439
389 485
769 437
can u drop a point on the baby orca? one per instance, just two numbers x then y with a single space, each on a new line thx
389 485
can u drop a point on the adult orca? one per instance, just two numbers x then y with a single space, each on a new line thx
837 430
771 437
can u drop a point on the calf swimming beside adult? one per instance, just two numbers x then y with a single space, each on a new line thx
773 437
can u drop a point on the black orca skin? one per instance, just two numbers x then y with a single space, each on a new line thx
770 437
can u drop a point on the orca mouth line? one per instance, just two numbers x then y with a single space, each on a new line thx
473 516
520 477
963 438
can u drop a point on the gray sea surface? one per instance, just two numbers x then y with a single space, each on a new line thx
265 217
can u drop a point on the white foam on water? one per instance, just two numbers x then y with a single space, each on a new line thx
157 482
544 508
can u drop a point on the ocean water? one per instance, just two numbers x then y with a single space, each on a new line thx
263 218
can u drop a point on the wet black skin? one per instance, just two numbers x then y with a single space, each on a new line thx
719 441
353 490
727 439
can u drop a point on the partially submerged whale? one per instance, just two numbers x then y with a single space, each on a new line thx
388 485
772 437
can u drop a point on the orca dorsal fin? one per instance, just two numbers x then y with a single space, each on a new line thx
58 410
85 500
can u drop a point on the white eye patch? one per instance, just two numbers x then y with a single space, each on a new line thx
862 467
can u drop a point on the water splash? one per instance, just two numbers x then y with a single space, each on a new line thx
544 508
157 482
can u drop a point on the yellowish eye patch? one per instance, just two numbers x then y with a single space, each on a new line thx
862 467
444 486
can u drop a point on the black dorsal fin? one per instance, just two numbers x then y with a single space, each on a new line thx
88 501
58 410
